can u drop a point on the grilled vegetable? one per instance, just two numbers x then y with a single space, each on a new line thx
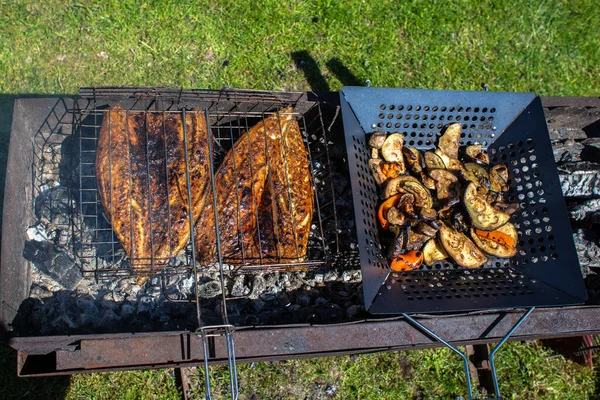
414 159
378 175
407 205
427 229
499 178
416 240
385 207
460 222
483 215
396 217
476 153
448 142
428 214
375 153
433 252
479 172
391 151
509 208
433 161
398 246
377 139
408 261
449 162
391 170
461 248
446 184
428 182
499 243
396 185
421 193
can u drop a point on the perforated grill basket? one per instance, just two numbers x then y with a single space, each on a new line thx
511 126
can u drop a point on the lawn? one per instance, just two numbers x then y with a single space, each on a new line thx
550 47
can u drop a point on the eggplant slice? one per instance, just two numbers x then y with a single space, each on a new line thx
498 247
461 248
483 215
433 251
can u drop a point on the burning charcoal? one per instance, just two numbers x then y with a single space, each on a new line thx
587 251
567 151
294 307
588 210
88 306
352 311
53 261
303 299
127 310
258 286
331 276
257 305
239 288
209 289
583 184
63 323
55 205
347 276
321 301
319 278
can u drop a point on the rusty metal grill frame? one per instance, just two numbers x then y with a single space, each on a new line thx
512 127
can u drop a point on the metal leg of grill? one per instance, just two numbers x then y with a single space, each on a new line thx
423 328
205 333
499 345
464 357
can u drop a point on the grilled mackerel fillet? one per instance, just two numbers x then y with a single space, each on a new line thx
141 175
254 206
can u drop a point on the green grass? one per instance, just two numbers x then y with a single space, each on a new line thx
551 48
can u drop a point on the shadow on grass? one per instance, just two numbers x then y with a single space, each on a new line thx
14 387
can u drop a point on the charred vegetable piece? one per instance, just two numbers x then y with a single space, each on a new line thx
461 248
421 193
407 205
483 215
448 142
427 229
385 207
449 162
377 139
408 261
509 208
433 161
446 184
499 243
428 214
378 175
416 240
476 153
396 185
433 252
479 172
391 170
428 182
391 151
396 217
499 178
398 246
414 159
375 153
459 221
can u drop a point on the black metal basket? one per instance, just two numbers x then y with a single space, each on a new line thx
545 271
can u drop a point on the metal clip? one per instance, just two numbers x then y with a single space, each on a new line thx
211 331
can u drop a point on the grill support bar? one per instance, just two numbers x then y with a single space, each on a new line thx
417 325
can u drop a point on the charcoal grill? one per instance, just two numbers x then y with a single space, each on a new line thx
511 126
71 125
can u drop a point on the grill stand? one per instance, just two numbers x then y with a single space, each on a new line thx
417 325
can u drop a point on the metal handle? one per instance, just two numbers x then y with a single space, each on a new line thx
206 332
464 357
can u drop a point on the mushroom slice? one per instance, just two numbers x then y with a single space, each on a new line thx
476 153
483 215
378 175
461 248
391 151
433 161
433 252
499 178
414 159
396 185
500 243
446 184
377 139
448 142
